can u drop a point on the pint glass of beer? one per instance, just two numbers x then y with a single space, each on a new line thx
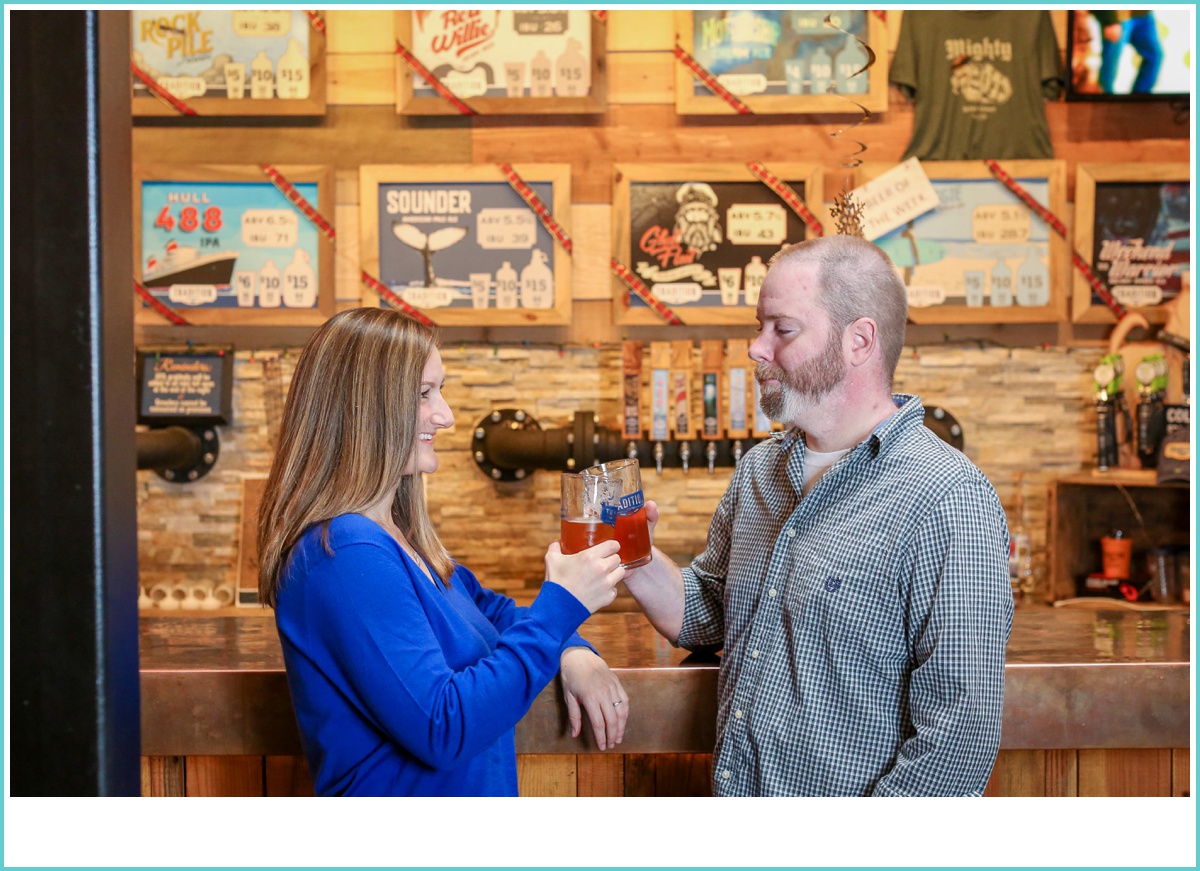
606 502
582 512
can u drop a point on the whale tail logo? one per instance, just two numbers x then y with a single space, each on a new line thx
428 244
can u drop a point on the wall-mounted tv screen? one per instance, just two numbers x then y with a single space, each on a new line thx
1130 54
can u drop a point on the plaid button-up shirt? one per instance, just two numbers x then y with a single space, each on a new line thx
863 626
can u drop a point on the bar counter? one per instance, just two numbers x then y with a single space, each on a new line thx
1075 679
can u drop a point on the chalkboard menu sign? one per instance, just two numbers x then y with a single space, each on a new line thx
185 387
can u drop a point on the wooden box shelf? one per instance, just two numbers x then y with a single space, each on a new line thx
1084 508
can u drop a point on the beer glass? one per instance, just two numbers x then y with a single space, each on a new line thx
580 516
606 502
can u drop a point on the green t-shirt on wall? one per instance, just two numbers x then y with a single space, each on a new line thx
979 80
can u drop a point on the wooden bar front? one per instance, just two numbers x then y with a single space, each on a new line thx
1096 703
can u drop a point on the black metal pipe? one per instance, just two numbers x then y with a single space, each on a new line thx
528 448
171 447
509 444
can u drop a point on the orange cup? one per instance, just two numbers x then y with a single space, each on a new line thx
1116 554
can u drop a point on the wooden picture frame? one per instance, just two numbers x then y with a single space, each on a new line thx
265 252
734 222
1143 212
782 83
481 57
223 62
506 268
982 255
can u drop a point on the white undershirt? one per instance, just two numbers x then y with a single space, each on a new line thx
816 464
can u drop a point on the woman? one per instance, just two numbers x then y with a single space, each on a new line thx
407 676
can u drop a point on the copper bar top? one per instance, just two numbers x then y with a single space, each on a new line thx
1074 678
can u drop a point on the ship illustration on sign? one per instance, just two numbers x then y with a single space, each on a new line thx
182 264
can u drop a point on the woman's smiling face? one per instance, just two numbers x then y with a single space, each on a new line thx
434 414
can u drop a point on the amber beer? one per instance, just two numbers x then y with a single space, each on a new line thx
602 503
630 530
580 533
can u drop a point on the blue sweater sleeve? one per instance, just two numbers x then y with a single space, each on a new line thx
369 613
502 611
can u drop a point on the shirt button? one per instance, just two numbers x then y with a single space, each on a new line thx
754 654
726 774
771 592
791 533
737 714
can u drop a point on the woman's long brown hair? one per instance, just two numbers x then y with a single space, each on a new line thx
349 428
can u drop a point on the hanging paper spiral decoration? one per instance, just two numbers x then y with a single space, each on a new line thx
853 159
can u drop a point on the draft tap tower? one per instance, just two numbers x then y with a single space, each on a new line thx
508 444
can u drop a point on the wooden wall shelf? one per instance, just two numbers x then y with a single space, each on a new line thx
1085 507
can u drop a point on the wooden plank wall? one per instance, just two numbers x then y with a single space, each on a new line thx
640 125
1128 773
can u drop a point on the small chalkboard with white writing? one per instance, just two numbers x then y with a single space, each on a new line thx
190 387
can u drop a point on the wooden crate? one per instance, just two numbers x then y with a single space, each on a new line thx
1086 507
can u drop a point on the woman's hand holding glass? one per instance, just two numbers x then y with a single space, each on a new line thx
590 576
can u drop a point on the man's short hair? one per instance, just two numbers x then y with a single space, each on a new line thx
857 280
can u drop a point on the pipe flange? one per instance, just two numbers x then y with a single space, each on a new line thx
210 450
944 425
501 418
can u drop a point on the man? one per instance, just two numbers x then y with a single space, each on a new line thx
856 573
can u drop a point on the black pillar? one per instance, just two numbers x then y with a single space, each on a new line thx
75 726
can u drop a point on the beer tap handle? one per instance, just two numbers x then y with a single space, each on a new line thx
711 453
631 450
685 454
658 456
737 451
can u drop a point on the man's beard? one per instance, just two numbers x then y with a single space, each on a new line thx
798 391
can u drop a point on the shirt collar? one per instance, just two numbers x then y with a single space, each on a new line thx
908 408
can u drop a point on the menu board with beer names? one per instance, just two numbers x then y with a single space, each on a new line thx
227 62
227 245
461 244
981 255
501 61
783 60
699 237
1133 226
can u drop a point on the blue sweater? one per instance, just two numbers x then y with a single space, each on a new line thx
400 685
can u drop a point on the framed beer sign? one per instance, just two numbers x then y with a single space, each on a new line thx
782 60
227 62
1133 225
463 244
232 245
499 61
698 237
981 255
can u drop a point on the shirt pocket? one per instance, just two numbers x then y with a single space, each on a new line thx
846 597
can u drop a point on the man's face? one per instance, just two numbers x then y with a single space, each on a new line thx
800 356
